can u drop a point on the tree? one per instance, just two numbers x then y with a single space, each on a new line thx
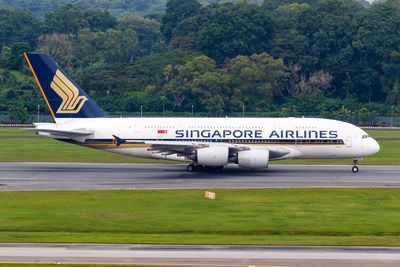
148 71
101 80
213 90
393 97
301 84
288 43
215 106
194 83
227 30
99 20
274 4
342 114
133 101
117 8
243 80
129 46
5 54
177 10
363 116
185 34
378 32
89 44
147 32
66 19
257 77
18 112
17 50
60 47
18 26
111 45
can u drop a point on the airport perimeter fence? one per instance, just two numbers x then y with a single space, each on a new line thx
378 121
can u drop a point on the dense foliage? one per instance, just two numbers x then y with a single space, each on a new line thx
117 8
333 58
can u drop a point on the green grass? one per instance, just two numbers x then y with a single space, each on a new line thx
49 150
384 134
364 216
5 131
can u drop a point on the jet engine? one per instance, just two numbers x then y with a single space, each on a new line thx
253 158
213 156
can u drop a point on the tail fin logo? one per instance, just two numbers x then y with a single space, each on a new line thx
71 101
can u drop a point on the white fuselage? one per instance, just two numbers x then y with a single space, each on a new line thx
304 138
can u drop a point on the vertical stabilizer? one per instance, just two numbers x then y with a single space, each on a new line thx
63 96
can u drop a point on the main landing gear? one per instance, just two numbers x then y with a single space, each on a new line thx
355 167
193 167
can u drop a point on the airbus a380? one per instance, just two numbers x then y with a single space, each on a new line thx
203 142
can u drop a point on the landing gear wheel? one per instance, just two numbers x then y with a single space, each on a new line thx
190 168
354 169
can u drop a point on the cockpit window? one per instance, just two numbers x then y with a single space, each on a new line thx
365 136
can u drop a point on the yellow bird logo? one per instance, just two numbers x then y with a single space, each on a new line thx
71 101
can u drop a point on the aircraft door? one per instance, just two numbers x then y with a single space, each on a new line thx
138 129
348 141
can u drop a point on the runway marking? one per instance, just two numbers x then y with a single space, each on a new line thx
22 178
139 263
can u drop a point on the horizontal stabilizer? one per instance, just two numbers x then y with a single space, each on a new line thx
69 133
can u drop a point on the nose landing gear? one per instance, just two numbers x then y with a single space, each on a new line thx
355 167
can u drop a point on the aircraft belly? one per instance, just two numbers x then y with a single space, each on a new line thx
143 152
327 152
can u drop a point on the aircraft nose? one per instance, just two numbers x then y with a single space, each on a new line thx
373 146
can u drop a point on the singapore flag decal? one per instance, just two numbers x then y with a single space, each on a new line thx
161 131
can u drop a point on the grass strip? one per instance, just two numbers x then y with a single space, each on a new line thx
11 131
351 216
384 134
49 150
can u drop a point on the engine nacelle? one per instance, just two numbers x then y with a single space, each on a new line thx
213 156
253 158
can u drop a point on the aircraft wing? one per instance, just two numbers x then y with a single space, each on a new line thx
184 148
188 148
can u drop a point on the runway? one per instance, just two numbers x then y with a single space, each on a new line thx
169 255
74 176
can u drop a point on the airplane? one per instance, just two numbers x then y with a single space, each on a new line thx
202 142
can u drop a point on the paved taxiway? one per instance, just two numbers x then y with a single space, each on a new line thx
167 255
71 176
